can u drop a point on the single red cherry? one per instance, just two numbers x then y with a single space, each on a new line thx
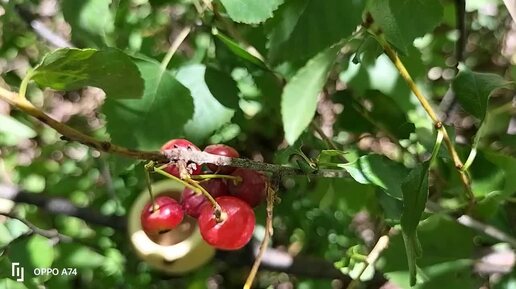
234 230
252 187
163 216
221 150
179 143
192 202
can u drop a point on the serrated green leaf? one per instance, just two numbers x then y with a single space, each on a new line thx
158 116
209 113
251 11
91 21
403 21
473 89
299 98
380 171
415 194
303 28
108 69
32 252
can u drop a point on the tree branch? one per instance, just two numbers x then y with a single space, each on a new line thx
206 158
50 234
61 206
72 134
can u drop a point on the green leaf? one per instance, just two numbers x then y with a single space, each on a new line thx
7 283
380 171
473 90
14 130
10 230
374 111
351 197
403 21
486 176
209 114
449 248
250 11
32 252
508 165
222 87
368 51
77 256
108 69
299 99
303 28
415 194
158 116
331 156
236 49
90 20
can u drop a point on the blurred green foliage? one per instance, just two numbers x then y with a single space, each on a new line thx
250 74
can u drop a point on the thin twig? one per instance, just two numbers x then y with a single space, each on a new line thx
72 134
271 195
393 56
175 45
378 248
49 234
326 139
476 225
61 206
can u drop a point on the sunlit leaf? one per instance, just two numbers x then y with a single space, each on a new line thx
303 28
299 99
473 90
379 171
402 21
108 69
250 11
158 116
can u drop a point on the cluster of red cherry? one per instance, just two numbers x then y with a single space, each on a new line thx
225 217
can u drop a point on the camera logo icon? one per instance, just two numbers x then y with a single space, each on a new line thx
17 271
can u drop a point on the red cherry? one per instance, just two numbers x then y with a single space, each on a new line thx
221 150
165 216
236 228
193 168
192 202
252 188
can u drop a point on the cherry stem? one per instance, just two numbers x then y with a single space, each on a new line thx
216 176
150 166
219 214
271 196
194 185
